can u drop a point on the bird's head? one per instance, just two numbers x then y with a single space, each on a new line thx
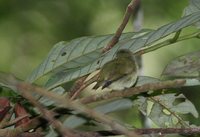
124 53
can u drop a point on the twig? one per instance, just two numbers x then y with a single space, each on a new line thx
135 90
10 123
176 36
46 113
32 134
169 41
148 131
129 11
20 129
6 119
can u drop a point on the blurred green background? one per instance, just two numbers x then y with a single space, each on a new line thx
30 28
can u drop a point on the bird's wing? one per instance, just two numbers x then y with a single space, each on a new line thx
105 73
120 68
113 71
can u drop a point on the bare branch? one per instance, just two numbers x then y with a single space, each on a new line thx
32 134
148 131
47 114
129 11
33 123
12 122
167 42
6 119
135 90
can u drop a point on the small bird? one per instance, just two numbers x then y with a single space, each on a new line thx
119 73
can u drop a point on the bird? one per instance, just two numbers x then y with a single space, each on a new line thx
119 73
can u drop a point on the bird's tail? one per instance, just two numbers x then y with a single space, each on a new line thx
104 84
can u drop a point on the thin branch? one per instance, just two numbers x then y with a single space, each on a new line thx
176 36
129 11
32 134
12 122
47 114
167 42
6 119
148 131
35 122
161 131
133 91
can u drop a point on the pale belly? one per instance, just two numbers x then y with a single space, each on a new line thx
125 82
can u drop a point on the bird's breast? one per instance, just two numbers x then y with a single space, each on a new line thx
125 82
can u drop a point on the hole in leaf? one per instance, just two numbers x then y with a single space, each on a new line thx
63 54
178 101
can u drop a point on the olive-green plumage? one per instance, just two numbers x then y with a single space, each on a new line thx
119 73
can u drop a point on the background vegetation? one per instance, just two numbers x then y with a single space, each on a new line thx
29 29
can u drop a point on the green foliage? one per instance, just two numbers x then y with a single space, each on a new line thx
68 61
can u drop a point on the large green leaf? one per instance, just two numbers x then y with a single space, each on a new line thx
194 6
133 44
75 54
164 110
184 66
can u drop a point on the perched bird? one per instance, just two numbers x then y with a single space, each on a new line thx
119 73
